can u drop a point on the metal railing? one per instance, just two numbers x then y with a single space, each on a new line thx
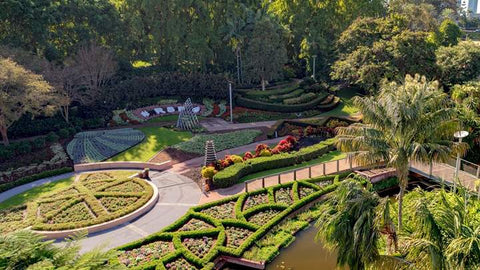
311 174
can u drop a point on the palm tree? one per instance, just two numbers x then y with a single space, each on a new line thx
347 225
444 230
27 250
403 123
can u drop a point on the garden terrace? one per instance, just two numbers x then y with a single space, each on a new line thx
233 174
93 199
287 99
228 227
95 146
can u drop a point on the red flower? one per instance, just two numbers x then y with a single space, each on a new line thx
259 148
247 156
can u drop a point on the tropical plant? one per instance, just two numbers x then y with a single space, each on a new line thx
27 250
347 225
409 122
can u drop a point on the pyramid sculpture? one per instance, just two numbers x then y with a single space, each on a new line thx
210 154
187 120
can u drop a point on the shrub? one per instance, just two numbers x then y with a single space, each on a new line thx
39 143
72 131
236 159
234 173
260 148
23 147
52 137
301 99
247 156
5 153
28 179
276 107
64 133
208 172
265 153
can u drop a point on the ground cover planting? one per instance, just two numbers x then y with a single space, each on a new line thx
222 141
235 226
80 204
156 139
95 146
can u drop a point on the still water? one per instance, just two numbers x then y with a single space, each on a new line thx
304 254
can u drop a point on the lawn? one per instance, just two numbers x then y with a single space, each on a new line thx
36 192
346 107
334 155
164 119
156 139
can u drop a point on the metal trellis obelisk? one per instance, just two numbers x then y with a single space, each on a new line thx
210 154
187 120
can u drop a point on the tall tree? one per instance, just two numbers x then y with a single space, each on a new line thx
458 64
348 226
266 54
21 91
404 123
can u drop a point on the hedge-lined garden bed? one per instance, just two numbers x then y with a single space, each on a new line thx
231 227
232 175
222 141
96 198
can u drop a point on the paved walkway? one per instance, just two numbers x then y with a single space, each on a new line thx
20 189
198 162
176 195
446 172
331 167
218 124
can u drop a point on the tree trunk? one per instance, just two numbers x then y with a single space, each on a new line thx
400 207
3 131
65 113
263 85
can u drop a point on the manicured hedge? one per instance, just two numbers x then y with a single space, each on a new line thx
232 175
28 179
277 107
171 233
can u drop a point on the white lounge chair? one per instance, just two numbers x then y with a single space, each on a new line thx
145 114
196 110
159 111
181 108
170 109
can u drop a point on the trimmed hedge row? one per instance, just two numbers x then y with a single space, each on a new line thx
172 234
35 177
232 175
277 107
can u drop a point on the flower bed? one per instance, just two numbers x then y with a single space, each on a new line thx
194 225
263 217
95 146
234 173
144 254
223 211
200 247
283 196
255 200
234 229
222 141
79 205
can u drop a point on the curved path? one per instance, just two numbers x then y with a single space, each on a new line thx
176 195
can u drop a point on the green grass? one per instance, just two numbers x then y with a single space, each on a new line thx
162 119
334 155
156 139
36 193
346 107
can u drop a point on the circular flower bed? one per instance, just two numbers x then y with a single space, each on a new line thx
94 199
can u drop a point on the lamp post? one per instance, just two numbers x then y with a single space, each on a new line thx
231 101
459 135
314 65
